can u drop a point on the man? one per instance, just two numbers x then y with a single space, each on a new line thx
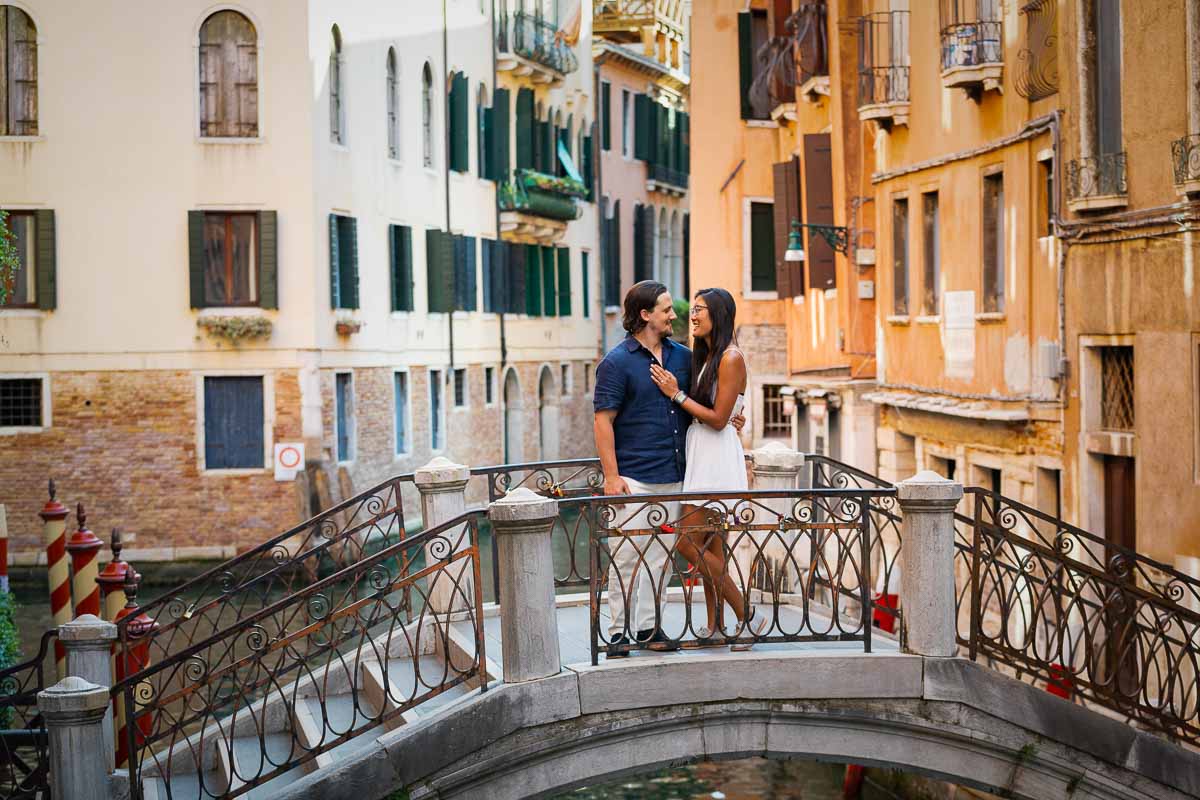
641 437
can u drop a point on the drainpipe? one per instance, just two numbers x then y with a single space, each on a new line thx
1193 72
446 155
598 181
503 301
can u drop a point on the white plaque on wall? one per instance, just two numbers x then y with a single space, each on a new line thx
289 459
959 339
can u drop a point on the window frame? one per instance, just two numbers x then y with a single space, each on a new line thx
489 387
337 61
627 132
260 69
397 451
39 43
47 401
256 246
989 176
904 266
931 274
460 372
268 379
747 249
428 117
352 418
566 380
31 213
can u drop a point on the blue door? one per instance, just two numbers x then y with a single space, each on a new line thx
233 423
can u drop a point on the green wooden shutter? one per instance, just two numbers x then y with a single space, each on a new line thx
394 248
268 260
685 139
515 297
483 143
745 62
439 267
485 256
335 265
525 129
458 123
498 160
588 168
585 284
349 253
642 243
406 268
606 116
465 284
564 282
549 296
642 112
533 280
195 259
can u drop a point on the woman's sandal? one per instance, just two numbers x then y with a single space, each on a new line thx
756 626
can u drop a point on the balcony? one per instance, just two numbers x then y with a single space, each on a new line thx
972 57
1185 157
793 65
527 46
1097 184
666 180
812 50
536 207
883 68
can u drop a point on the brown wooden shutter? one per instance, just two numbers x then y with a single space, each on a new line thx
745 62
247 88
21 58
4 72
196 258
268 260
818 201
47 256
788 282
228 76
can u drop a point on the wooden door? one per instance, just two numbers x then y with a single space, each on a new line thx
1121 656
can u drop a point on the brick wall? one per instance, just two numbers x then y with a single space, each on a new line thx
765 347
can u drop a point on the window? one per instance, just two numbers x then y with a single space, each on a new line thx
337 108
586 284
22 287
344 407
587 378
931 277
1116 378
437 434
343 261
483 116
626 124
775 422
427 115
489 385
465 273
762 247
18 73
942 466
605 115
228 76
400 257
900 257
460 388
21 403
565 378
233 423
610 255
987 477
564 281
1108 76
1045 198
459 127
230 265
400 387
752 36
393 105
993 243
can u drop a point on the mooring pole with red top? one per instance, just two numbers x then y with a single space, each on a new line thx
112 580
133 656
54 526
84 547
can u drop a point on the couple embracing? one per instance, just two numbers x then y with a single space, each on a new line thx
666 422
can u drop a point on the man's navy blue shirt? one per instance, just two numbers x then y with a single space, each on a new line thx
650 431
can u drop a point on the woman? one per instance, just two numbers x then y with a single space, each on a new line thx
715 459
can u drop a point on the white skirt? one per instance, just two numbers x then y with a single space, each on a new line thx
716 461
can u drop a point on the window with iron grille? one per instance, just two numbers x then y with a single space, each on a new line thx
775 422
1116 379
460 388
21 403
228 76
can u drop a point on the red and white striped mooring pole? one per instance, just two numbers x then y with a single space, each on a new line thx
84 546
54 526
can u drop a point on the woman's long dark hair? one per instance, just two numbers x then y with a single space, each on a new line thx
706 354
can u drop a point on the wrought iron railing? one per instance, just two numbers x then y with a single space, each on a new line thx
542 195
666 175
883 58
531 37
972 44
811 29
794 565
1088 619
335 658
24 759
776 77
1185 158
1038 76
1099 176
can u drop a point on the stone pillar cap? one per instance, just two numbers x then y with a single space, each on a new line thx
779 455
72 695
928 486
441 470
87 628
523 505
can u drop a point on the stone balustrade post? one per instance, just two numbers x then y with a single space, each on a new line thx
774 466
522 521
88 641
927 502
443 488
74 712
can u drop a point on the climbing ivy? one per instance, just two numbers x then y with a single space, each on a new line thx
8 258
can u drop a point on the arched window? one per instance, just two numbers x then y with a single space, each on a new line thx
337 104
18 73
228 76
482 134
393 106
459 125
427 115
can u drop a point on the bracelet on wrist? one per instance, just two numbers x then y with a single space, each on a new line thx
679 397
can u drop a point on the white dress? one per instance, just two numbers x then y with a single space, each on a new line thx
716 461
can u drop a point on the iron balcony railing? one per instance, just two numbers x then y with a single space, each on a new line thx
1099 176
531 37
24 754
883 58
1038 75
666 175
970 33
810 26
1185 158
542 195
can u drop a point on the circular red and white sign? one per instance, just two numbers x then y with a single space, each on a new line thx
289 458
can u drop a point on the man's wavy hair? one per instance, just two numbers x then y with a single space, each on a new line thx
642 296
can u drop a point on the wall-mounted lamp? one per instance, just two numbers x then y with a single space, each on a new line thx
795 247
836 235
